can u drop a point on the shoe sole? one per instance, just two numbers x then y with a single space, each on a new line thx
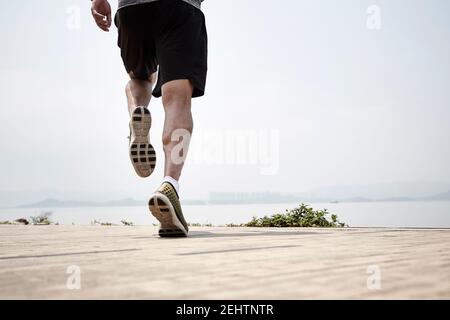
162 209
142 153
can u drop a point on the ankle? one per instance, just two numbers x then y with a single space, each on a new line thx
173 182
131 109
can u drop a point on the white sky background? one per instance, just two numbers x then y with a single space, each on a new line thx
353 106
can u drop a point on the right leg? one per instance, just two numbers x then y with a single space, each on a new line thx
165 203
176 96
142 153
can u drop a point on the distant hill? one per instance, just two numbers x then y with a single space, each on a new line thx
230 198
439 197
128 202
54 203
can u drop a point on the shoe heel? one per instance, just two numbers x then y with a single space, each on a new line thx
142 154
163 211
141 121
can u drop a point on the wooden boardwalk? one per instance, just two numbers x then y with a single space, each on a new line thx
85 262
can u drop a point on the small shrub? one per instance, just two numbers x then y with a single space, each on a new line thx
96 222
22 221
127 223
16 222
42 219
302 216
194 224
232 225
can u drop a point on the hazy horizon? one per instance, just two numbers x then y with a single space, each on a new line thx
417 190
332 106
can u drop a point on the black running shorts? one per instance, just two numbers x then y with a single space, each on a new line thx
168 36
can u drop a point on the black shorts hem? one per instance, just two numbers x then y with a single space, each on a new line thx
168 36
199 88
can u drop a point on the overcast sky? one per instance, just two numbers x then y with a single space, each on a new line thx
331 101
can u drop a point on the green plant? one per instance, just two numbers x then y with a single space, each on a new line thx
127 223
42 219
96 222
232 225
194 224
302 216
22 221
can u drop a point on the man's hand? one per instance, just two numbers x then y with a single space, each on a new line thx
101 11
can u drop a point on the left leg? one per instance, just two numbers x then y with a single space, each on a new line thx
136 41
142 153
139 92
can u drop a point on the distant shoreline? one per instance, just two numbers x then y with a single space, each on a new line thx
54 204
